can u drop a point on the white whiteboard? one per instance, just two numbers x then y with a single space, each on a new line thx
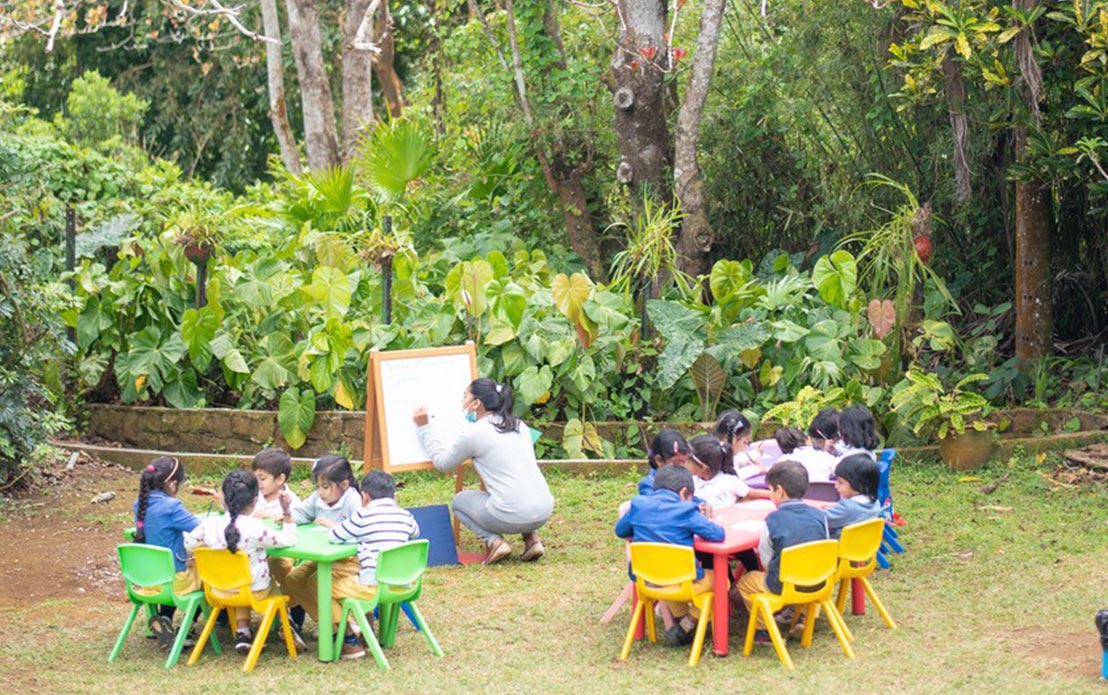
405 382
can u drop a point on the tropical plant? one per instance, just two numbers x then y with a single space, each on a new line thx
929 407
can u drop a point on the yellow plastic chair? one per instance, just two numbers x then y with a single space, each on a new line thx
858 548
808 579
665 572
229 574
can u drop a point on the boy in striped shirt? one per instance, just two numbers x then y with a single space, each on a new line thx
380 524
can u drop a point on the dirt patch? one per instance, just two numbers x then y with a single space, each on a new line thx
1061 652
57 543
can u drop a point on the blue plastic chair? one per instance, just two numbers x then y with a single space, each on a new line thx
890 542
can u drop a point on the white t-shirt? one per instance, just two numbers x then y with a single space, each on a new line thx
254 537
819 464
722 490
272 510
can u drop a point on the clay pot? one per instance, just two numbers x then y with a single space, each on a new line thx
970 449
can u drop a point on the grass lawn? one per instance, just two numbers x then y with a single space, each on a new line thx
996 594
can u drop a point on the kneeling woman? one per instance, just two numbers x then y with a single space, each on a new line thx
517 498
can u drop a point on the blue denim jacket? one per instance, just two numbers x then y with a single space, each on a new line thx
663 517
166 523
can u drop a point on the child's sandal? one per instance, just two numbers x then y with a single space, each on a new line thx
162 627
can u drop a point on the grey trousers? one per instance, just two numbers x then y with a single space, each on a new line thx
471 508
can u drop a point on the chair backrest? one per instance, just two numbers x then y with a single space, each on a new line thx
663 564
224 570
884 492
149 567
805 568
860 542
400 570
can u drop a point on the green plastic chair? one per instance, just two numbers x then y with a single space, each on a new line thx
152 567
399 580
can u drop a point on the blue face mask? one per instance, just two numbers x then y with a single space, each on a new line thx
471 416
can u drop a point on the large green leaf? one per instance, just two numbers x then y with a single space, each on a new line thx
678 357
330 287
396 154
570 293
92 321
836 277
507 300
727 278
198 328
710 381
533 383
674 320
865 352
296 415
182 391
470 277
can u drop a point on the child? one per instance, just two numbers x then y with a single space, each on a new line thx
380 524
856 480
668 515
335 500
161 520
272 468
858 432
734 429
247 533
794 447
710 462
824 431
667 448
336 495
793 523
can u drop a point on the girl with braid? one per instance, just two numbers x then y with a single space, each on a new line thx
240 531
161 520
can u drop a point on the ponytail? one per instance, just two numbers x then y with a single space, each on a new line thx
713 453
728 453
240 490
496 398
161 471
336 469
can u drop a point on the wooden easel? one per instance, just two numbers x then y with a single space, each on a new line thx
377 450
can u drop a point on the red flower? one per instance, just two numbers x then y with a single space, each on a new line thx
649 52
923 247
681 3
679 53
634 66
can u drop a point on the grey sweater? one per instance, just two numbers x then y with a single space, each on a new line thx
506 463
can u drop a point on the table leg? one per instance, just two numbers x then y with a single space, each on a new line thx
857 597
326 635
720 605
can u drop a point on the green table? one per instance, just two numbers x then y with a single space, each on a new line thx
312 544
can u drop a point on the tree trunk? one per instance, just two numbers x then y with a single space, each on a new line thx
1034 305
278 109
642 132
320 132
959 124
383 62
695 242
357 71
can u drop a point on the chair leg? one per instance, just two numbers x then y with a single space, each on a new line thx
701 629
135 608
421 624
775 637
877 603
624 596
751 626
636 615
387 624
840 599
205 612
651 627
810 615
188 612
286 628
207 632
260 637
367 633
838 626
407 608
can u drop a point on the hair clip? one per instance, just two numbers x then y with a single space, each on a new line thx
150 468
139 524
499 388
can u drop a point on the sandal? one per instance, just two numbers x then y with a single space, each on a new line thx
162 627
498 551
533 552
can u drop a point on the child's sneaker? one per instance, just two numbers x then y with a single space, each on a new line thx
762 637
352 647
162 629
301 645
243 640
678 636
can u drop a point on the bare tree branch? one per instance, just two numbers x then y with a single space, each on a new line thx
228 13
59 15
363 40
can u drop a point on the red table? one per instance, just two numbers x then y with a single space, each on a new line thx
743 524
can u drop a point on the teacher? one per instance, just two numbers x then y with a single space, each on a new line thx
516 498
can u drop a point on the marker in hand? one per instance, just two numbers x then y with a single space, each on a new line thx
420 417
